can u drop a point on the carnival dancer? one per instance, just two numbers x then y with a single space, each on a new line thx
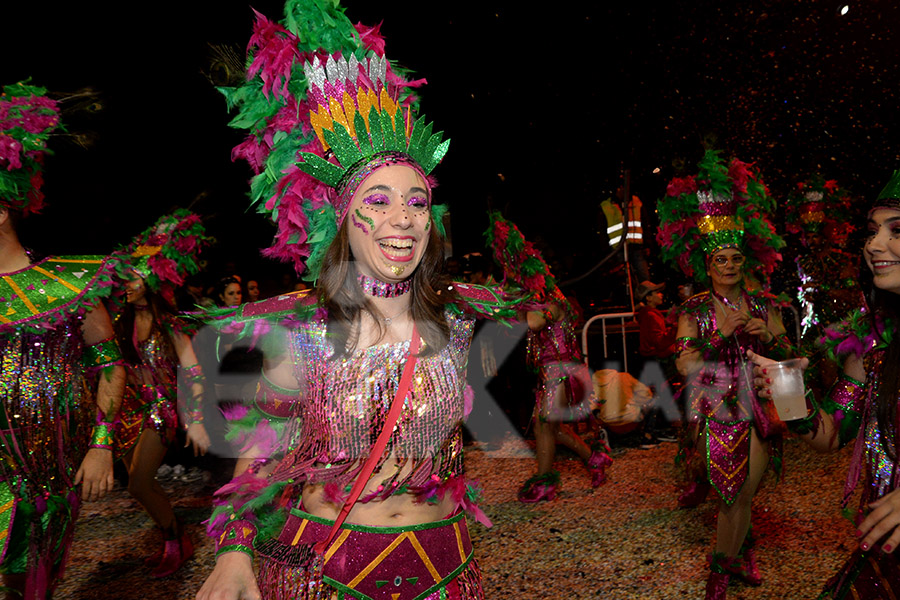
155 343
363 495
714 226
563 390
55 433
862 406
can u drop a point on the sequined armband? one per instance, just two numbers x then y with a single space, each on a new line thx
194 374
238 536
102 354
194 406
687 344
843 403
102 435
275 401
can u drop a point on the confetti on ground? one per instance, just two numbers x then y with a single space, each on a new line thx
625 540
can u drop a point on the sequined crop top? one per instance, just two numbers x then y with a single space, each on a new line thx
156 366
345 401
554 344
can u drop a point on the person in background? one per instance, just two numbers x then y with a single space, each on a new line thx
157 346
657 344
228 291
253 293
657 336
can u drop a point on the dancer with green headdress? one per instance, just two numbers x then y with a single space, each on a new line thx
354 483
715 227
564 389
157 347
56 429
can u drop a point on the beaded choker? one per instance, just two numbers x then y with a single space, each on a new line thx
381 289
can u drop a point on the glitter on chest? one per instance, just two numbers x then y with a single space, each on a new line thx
46 404
348 399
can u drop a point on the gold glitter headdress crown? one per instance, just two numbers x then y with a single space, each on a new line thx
357 118
726 205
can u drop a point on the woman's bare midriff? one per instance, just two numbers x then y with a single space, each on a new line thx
395 511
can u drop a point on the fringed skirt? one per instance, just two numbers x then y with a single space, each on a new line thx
145 407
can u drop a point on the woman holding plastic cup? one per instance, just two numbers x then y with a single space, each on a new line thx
713 227
862 405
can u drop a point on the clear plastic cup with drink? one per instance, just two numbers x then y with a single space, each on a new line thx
788 391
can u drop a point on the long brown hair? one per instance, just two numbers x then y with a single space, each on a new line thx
162 312
342 296
885 310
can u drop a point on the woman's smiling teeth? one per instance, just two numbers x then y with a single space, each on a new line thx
397 248
880 264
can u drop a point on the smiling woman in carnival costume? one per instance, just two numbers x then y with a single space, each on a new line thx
155 343
862 406
55 338
336 500
714 227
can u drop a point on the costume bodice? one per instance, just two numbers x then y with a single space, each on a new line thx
881 470
156 367
556 343
726 391
344 402
44 394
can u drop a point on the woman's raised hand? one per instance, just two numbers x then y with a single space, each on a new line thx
761 381
758 328
732 322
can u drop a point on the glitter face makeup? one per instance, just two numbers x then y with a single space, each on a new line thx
390 212
358 223
882 249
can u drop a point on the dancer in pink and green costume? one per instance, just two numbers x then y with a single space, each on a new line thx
714 227
862 406
60 374
157 346
564 385
343 168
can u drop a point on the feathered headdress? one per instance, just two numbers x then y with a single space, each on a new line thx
27 118
166 253
523 265
819 206
324 108
722 206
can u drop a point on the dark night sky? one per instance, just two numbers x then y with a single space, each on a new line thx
544 109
